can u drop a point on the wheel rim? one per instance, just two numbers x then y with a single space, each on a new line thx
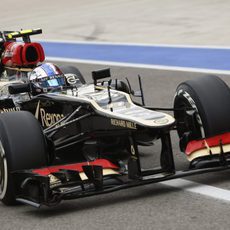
189 122
3 172
184 100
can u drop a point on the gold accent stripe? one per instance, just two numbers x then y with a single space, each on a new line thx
105 173
206 152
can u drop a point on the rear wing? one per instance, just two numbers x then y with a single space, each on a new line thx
24 34
17 54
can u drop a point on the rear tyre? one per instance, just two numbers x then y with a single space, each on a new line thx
209 97
67 69
22 146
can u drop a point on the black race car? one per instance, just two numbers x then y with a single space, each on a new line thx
61 138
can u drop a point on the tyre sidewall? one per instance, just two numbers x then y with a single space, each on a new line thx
24 147
186 96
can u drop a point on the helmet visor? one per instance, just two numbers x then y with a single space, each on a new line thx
54 81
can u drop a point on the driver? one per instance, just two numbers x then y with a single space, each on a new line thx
45 78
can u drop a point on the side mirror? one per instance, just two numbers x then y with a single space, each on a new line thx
100 74
19 88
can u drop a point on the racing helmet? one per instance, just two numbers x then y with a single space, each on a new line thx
46 77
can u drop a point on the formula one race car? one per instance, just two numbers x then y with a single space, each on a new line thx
61 138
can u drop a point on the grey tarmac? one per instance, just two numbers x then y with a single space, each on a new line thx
198 22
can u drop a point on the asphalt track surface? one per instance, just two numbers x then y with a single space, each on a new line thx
156 206
197 22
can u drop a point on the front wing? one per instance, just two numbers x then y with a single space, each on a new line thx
50 185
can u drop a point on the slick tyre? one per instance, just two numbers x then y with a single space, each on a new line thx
66 69
22 146
208 98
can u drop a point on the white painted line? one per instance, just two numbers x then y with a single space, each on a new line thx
194 187
143 66
134 44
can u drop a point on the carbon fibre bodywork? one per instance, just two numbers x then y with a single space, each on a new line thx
89 134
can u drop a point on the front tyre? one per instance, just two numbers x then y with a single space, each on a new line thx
202 109
22 146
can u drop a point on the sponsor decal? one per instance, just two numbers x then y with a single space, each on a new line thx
54 181
13 109
72 79
123 124
132 149
47 119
